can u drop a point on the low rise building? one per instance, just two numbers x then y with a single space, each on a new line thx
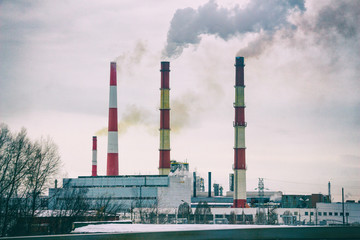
125 192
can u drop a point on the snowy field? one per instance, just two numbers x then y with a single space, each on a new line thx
133 228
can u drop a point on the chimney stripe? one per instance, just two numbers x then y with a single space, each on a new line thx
112 165
113 142
113 77
113 97
113 122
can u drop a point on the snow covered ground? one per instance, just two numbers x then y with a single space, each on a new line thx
130 228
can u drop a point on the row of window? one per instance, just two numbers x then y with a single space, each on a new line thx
331 214
324 214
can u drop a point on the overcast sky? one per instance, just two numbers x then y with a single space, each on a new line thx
302 79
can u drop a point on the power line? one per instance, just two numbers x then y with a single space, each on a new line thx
305 183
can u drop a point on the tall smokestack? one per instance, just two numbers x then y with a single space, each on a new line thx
164 150
94 157
239 127
112 156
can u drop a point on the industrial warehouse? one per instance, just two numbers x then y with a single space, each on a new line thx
134 196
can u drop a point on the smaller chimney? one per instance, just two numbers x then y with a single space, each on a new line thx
209 183
194 188
231 182
55 183
342 204
94 157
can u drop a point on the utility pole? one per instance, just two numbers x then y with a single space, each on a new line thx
343 208
261 201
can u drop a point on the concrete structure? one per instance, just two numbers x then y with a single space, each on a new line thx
178 166
303 201
94 157
112 150
332 213
322 214
270 198
164 150
126 192
239 132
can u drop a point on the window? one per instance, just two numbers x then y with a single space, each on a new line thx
341 214
319 213
335 213
295 213
330 213
311 213
325 213
347 214
306 213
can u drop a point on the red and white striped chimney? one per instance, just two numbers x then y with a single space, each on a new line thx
112 155
239 132
164 150
94 157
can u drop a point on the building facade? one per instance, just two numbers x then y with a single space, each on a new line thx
125 192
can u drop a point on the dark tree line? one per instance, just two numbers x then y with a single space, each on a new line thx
26 169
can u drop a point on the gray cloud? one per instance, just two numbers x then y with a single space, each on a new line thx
336 28
188 24
342 17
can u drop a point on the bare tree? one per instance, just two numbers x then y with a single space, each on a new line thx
184 211
232 218
202 212
106 206
70 204
26 168
15 151
45 166
260 217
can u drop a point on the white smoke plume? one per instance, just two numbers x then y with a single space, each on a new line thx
126 61
188 24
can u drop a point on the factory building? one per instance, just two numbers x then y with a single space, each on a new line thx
270 198
321 214
167 190
303 201
126 192
173 181
135 195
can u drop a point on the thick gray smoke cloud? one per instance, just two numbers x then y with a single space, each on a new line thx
188 24
337 28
